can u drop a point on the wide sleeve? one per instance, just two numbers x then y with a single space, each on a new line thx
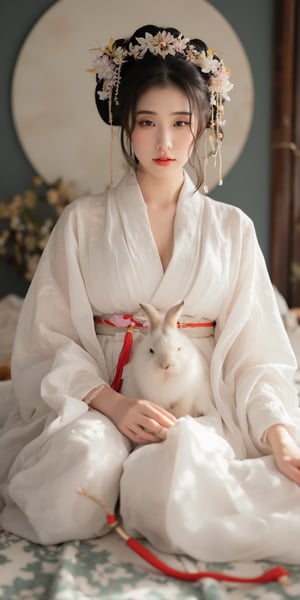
56 357
253 364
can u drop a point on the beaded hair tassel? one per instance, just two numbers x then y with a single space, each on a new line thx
215 138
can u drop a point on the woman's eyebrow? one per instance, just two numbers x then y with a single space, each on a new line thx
146 112
152 112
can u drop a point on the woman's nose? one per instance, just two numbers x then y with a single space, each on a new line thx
164 141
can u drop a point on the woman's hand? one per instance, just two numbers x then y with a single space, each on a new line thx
286 452
141 421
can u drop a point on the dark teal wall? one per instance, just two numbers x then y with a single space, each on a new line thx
247 185
16 20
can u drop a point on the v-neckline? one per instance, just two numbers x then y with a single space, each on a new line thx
149 230
138 230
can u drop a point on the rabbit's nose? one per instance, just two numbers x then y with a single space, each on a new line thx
165 366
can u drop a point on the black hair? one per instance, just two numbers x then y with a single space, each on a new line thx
138 76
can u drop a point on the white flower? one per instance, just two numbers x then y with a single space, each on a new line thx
220 84
160 44
118 55
145 44
136 51
207 62
104 67
180 44
164 44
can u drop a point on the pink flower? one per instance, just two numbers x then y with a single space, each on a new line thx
119 321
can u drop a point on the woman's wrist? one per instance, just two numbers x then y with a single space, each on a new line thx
104 399
94 393
278 436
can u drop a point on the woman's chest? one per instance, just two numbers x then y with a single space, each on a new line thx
121 271
161 224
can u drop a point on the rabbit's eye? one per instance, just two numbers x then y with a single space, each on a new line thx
151 350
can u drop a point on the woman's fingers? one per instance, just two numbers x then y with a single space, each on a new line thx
154 427
292 472
146 430
142 436
157 413
289 465
156 420
142 421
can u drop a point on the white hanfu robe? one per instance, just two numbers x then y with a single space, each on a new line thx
211 489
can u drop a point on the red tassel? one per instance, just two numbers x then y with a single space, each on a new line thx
276 574
123 359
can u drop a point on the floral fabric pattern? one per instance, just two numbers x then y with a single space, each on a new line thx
105 568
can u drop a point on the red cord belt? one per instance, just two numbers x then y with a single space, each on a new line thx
112 324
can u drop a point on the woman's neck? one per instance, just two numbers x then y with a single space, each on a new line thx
159 191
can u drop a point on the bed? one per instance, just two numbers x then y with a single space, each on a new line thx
106 568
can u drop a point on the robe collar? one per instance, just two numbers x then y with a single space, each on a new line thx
176 280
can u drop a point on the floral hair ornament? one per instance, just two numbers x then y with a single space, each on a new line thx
108 61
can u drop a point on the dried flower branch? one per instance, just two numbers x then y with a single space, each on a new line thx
27 220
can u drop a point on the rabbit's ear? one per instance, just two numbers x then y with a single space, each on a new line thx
152 315
173 314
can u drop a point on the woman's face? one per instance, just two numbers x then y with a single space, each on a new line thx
163 134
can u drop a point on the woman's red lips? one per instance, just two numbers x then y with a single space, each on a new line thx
163 160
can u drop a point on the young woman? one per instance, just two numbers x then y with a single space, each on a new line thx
225 487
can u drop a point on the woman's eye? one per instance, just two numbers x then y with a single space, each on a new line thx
181 123
146 123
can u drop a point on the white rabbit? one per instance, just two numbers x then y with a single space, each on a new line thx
167 367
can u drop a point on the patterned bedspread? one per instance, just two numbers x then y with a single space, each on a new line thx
106 569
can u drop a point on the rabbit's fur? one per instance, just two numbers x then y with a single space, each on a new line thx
167 367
